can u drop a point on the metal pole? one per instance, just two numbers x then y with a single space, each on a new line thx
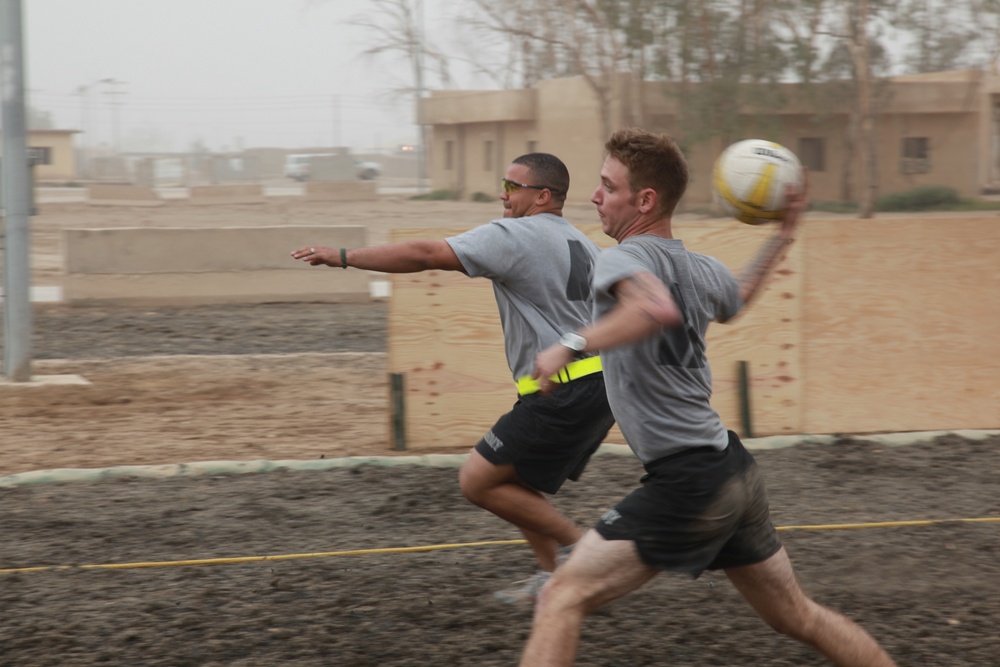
336 121
746 416
397 404
422 139
16 197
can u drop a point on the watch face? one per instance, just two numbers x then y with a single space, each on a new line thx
573 341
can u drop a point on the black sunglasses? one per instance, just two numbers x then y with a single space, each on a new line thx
510 186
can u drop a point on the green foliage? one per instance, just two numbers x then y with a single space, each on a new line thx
482 197
924 198
436 195
908 201
978 205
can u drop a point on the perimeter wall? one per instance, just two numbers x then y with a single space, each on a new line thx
880 325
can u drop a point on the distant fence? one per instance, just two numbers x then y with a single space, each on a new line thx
868 326
202 266
122 195
225 194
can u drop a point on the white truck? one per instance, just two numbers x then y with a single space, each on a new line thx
297 166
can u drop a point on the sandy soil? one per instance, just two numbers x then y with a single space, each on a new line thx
307 381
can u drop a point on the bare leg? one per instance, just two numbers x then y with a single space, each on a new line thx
773 591
498 490
597 572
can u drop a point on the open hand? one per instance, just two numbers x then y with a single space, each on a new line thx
316 255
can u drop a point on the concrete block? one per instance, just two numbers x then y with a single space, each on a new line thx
217 265
341 191
123 195
226 194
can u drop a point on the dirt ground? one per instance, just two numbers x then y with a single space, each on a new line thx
307 381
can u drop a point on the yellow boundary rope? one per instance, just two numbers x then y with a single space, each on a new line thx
437 547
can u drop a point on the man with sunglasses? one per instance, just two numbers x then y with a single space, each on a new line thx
540 268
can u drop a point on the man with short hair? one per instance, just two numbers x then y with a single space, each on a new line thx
702 504
540 268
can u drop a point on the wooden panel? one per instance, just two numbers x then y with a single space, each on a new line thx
767 335
903 324
868 326
445 336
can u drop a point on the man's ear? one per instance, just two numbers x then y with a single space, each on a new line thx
647 200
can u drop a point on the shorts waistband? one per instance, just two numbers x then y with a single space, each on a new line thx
681 453
571 371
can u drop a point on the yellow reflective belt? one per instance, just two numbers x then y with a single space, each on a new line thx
572 371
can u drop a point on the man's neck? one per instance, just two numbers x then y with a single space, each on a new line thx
654 225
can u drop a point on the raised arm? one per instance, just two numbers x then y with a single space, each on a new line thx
755 274
403 257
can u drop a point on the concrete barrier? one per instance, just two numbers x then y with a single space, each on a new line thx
226 194
122 195
341 191
180 266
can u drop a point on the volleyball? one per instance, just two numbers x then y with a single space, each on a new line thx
750 178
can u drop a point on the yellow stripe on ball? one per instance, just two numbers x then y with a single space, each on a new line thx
762 188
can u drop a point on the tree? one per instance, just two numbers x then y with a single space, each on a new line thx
396 32
938 45
563 38
726 61
863 132
839 45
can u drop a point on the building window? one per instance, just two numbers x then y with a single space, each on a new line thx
449 148
532 147
488 155
39 155
916 155
812 153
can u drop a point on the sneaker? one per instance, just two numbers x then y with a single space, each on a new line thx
524 591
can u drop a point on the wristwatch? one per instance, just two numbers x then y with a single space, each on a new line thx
574 341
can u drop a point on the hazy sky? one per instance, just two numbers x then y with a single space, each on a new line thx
282 73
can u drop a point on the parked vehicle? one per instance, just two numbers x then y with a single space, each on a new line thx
297 166
368 170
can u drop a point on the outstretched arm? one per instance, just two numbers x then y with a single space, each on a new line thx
402 257
755 274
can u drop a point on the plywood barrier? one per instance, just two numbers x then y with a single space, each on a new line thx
217 265
226 194
122 195
867 326
902 319
341 191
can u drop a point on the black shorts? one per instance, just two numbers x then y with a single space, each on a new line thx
549 439
699 509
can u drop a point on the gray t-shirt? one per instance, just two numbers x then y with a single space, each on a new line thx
660 388
540 266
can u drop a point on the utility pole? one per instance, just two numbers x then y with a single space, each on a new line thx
336 121
114 93
16 184
85 139
419 66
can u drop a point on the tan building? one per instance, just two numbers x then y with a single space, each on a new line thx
932 129
57 155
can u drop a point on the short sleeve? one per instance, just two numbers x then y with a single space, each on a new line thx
487 251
